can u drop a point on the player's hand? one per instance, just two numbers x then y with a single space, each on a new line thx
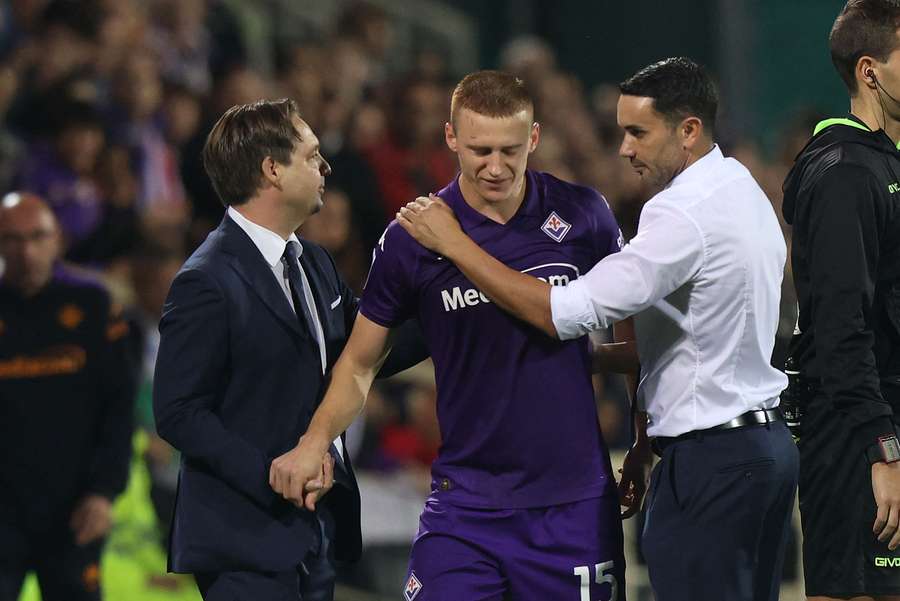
432 223
300 471
886 488
316 489
635 477
92 519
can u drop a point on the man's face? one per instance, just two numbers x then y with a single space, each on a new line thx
493 151
650 143
303 181
29 242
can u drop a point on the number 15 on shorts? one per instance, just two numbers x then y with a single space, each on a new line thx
603 574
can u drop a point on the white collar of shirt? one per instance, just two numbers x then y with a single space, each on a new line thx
270 244
699 168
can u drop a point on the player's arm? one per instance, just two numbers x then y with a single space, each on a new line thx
619 356
665 254
351 380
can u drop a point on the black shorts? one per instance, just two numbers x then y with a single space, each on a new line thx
841 556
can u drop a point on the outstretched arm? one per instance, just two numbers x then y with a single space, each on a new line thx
351 380
667 252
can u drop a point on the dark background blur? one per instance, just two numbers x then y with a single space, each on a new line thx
105 104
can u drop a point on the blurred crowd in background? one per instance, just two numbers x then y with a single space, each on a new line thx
105 106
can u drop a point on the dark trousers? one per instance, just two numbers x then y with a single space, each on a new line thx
313 580
718 515
65 571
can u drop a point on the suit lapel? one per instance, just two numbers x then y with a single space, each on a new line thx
250 265
321 289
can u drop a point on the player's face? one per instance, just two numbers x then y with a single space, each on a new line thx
650 143
303 180
29 242
493 151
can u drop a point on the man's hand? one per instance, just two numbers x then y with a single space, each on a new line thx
886 488
432 223
316 489
92 519
635 477
302 470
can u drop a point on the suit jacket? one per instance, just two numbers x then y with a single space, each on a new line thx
237 381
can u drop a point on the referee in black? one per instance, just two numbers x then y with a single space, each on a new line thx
842 198
66 405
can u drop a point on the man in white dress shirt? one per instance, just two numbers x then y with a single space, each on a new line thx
702 279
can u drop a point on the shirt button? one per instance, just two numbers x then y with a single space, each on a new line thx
446 484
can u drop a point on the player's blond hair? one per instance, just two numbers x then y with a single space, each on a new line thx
490 93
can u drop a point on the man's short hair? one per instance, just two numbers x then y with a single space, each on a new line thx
490 93
679 87
239 142
864 28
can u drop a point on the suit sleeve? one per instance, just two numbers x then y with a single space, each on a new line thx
118 376
844 228
191 372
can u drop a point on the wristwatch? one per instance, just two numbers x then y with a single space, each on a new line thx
886 449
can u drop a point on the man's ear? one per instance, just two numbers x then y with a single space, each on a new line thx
271 171
691 130
450 136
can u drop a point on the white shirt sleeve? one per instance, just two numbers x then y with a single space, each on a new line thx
667 252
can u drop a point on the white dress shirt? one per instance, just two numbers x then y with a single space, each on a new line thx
272 246
703 280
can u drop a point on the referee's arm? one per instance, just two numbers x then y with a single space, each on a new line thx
843 258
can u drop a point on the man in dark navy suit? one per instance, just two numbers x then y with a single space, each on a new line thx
252 325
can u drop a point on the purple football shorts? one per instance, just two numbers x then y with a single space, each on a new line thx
569 552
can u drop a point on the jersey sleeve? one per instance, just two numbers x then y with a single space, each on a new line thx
606 229
388 296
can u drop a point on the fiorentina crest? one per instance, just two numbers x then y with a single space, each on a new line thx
412 588
555 227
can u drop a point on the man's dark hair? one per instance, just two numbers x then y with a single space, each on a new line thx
239 142
864 28
679 87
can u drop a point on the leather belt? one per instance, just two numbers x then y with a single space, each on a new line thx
756 417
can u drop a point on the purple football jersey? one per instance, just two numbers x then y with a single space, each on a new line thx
515 407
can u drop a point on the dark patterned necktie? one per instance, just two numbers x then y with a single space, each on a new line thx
291 259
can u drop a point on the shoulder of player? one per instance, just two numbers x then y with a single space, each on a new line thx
583 201
396 241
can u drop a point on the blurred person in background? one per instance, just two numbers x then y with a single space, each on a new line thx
62 169
522 465
152 268
66 406
841 198
334 228
412 156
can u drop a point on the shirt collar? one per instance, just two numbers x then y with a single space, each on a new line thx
698 167
468 216
270 244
